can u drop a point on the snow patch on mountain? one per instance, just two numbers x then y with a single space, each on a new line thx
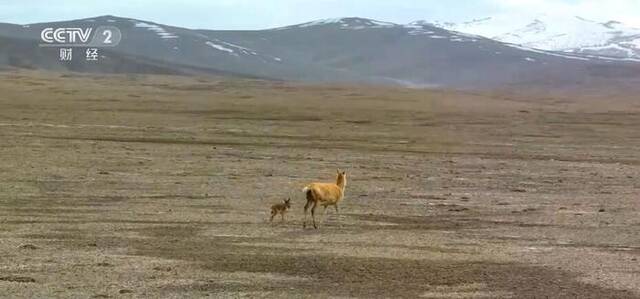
422 28
219 47
241 49
228 47
358 24
634 43
609 50
417 28
344 23
571 34
519 47
320 22
158 30
237 50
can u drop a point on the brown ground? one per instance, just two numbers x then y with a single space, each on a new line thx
131 186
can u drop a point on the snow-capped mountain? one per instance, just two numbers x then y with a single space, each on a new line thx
332 50
570 34
344 23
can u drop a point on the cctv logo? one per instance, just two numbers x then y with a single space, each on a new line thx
66 35
103 36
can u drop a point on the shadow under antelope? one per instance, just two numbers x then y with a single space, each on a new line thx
280 208
325 194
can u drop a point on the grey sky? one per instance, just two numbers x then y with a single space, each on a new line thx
257 14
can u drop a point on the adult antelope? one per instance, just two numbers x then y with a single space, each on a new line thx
325 194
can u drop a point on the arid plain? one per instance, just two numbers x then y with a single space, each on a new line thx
160 186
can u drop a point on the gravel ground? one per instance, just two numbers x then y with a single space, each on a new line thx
162 186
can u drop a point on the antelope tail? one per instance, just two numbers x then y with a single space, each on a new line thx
309 193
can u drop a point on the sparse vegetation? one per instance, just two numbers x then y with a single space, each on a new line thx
166 193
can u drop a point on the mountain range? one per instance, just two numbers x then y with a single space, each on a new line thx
354 50
553 33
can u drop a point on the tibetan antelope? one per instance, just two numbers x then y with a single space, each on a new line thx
325 194
280 208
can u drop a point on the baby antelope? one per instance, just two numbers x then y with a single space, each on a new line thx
280 208
324 194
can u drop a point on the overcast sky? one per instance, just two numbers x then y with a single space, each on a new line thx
259 14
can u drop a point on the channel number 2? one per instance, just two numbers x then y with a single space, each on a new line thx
107 34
